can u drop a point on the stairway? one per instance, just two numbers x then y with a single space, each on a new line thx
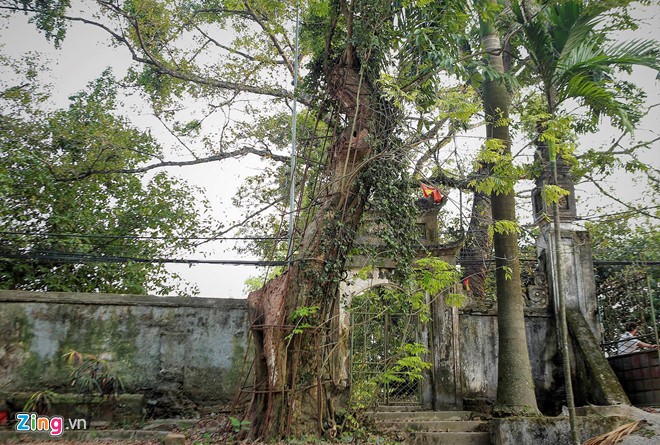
418 427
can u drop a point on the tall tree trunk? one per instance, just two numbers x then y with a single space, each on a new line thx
294 381
515 386
476 250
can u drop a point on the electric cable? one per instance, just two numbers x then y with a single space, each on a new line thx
85 258
141 237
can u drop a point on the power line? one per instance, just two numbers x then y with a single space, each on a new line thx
138 237
84 258
623 212
626 263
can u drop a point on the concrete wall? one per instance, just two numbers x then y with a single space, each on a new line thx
195 346
479 352
556 430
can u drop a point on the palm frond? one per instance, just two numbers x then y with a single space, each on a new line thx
598 97
602 63
635 52
517 11
582 57
537 39
563 18
582 86
614 437
556 31
571 24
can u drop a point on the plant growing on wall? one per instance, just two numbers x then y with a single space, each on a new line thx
93 377
40 402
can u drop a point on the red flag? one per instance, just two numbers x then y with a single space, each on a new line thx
431 191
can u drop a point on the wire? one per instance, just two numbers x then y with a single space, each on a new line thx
137 237
624 212
626 263
84 258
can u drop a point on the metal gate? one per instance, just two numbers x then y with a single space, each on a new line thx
383 329
627 292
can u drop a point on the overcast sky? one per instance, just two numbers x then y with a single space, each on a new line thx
85 54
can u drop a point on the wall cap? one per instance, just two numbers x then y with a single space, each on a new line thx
15 296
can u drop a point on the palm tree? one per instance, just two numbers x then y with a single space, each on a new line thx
572 61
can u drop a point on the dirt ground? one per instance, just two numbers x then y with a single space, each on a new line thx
211 432
648 432
94 442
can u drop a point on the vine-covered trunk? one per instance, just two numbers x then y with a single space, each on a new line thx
515 386
294 317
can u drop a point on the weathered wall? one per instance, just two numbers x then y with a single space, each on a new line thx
192 345
576 270
479 352
553 430
197 346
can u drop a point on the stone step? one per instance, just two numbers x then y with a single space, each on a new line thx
433 427
465 426
454 438
381 416
400 408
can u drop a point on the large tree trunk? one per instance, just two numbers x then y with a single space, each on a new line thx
477 247
294 382
515 386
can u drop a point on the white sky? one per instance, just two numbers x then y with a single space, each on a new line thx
85 54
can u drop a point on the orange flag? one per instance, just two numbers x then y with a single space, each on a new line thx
431 191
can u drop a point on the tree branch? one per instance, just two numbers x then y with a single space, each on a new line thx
159 66
220 234
214 158
443 178
614 198
235 51
272 38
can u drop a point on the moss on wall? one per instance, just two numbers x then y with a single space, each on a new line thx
202 341
240 363
551 430
68 328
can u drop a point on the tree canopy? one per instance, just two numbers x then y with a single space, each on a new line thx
63 231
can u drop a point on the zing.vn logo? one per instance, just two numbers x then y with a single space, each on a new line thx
53 425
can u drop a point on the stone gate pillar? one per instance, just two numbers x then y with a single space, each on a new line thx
574 251
443 387
577 270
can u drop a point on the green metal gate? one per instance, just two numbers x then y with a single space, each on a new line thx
381 333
